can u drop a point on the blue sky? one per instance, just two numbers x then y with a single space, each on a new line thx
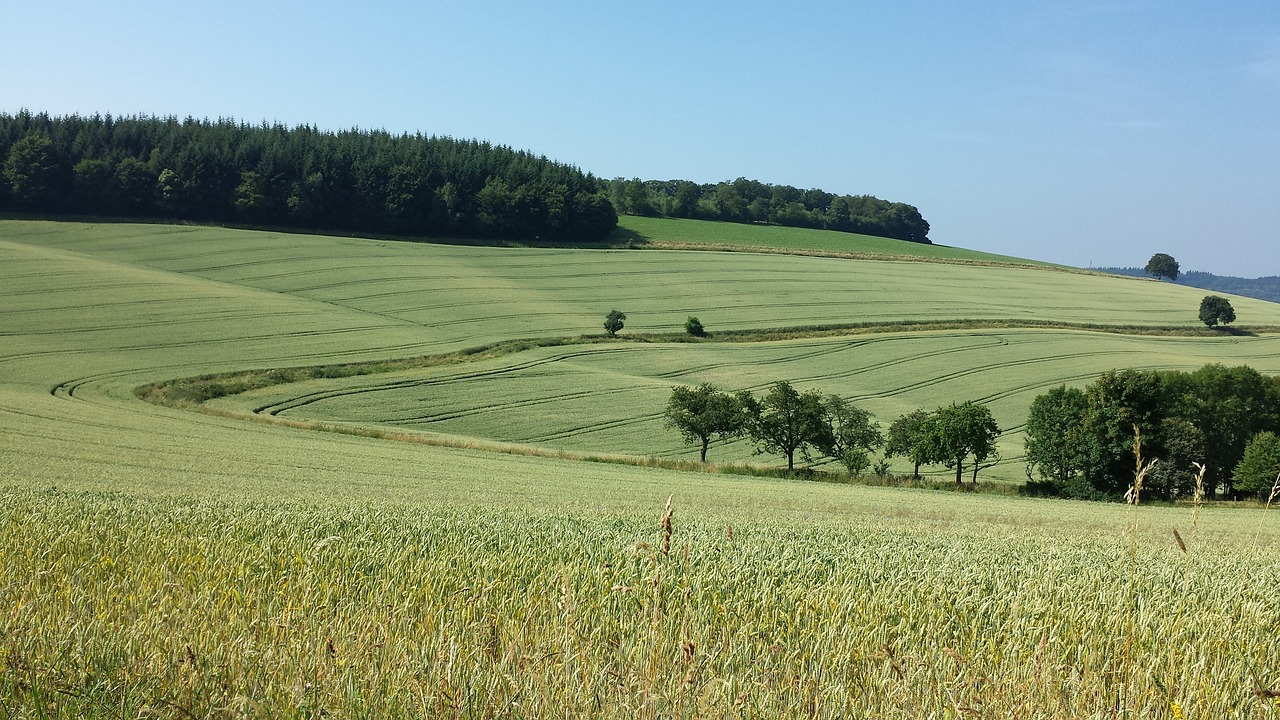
1082 133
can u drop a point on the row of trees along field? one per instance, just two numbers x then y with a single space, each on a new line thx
751 201
224 171
1082 442
786 422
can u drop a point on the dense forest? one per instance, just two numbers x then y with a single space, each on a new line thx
224 171
751 201
1263 288
373 181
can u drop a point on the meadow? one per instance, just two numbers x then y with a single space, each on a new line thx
156 561
674 233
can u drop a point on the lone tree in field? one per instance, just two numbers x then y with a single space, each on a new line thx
850 434
785 421
954 433
693 326
702 413
613 322
1162 266
1215 309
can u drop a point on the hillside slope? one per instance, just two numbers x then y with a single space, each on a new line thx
93 311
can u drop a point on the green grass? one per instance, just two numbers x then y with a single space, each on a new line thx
158 561
701 234
609 398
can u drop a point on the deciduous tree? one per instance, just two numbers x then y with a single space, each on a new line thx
906 439
703 413
850 435
1054 430
33 171
786 421
1215 309
955 432
1258 469
1162 265
613 322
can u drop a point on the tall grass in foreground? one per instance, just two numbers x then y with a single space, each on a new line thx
118 606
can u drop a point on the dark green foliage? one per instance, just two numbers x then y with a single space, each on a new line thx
693 326
1204 417
953 433
1181 445
1229 405
1053 442
1215 309
704 413
1259 468
1162 266
37 176
907 439
1119 401
751 201
364 181
850 434
786 421
613 322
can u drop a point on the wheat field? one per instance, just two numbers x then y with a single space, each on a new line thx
159 562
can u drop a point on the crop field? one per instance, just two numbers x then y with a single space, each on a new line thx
673 232
609 399
156 561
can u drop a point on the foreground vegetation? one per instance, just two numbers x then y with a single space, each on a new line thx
114 605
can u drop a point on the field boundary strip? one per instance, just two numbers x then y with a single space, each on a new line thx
189 391
192 393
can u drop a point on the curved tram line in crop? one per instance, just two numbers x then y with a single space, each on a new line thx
537 405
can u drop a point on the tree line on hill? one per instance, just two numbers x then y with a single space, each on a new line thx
1082 442
786 422
355 180
1262 288
373 181
751 201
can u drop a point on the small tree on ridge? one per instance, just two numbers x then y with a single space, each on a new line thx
1162 266
613 322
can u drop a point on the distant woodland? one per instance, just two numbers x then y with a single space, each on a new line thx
751 201
1263 288
225 171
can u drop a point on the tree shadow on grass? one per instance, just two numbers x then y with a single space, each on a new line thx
1235 331
620 238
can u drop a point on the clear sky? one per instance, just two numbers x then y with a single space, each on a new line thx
1087 133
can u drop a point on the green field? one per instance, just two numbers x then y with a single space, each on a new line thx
662 232
159 561
609 399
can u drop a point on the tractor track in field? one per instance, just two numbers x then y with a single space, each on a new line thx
211 343
304 400
977 337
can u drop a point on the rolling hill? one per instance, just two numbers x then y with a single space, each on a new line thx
159 557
